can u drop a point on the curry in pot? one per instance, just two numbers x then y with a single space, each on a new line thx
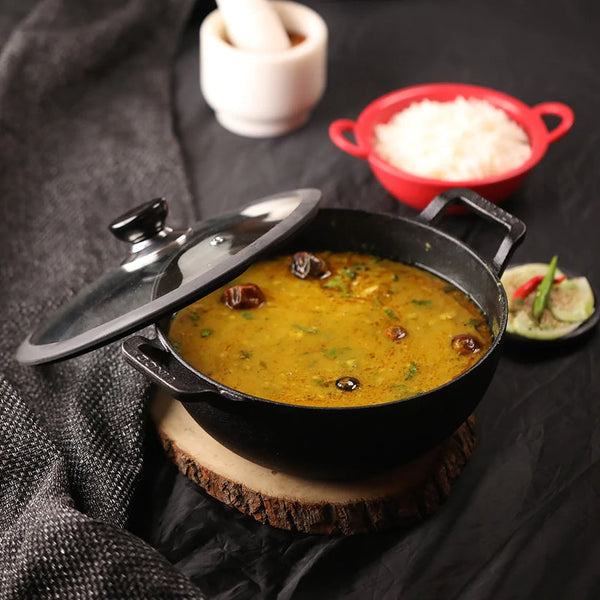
332 330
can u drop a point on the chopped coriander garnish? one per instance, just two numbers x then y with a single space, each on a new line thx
205 332
349 272
399 386
377 302
475 323
448 288
247 315
306 329
176 346
390 313
413 369
419 302
333 352
336 282
245 354
194 317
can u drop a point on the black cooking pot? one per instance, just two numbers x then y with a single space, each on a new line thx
350 442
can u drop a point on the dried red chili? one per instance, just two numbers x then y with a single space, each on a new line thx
531 284
306 265
395 332
248 295
465 344
347 384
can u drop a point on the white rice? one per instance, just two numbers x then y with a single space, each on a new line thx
459 140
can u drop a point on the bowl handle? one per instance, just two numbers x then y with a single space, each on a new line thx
336 132
515 228
149 357
556 109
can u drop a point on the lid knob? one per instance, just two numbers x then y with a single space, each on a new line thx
141 223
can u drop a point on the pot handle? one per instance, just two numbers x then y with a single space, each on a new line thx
556 109
149 357
515 228
336 132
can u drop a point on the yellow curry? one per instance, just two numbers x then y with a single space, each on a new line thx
334 329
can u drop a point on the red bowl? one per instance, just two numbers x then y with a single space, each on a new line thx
418 191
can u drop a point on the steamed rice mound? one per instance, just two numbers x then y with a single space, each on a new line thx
454 141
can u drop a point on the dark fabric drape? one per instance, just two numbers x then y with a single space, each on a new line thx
86 131
100 110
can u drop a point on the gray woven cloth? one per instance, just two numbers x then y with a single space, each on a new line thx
86 133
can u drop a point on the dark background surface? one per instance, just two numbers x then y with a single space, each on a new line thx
523 520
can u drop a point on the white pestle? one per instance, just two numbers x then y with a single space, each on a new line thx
253 25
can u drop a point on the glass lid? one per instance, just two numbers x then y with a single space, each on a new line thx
165 270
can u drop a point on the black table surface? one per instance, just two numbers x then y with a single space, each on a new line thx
523 520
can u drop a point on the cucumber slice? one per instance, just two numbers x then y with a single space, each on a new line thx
521 323
571 300
570 303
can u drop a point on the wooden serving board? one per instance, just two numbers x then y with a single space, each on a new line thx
397 497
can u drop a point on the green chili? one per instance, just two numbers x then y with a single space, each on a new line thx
543 291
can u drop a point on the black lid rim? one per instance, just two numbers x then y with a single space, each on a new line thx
102 335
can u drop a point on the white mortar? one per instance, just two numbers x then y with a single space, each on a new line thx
264 94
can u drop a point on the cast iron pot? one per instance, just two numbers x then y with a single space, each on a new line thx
337 443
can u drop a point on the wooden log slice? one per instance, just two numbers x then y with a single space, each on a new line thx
400 496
